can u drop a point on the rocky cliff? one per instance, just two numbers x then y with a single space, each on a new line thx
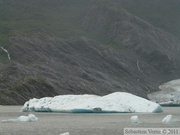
100 49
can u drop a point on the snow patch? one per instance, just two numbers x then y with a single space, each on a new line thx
112 103
6 53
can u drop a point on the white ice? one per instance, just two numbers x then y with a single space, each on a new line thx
169 93
29 118
115 102
135 119
167 119
67 133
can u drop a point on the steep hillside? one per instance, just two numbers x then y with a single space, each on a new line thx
132 33
160 13
76 47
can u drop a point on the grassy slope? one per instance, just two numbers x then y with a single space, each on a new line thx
160 13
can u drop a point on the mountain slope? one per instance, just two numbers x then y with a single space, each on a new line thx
163 14
76 47
128 31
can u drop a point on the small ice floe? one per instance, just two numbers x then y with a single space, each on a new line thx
29 118
167 119
67 133
135 119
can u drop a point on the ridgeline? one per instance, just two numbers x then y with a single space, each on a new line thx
52 47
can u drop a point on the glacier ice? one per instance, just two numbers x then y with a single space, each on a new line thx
66 133
167 119
169 94
135 119
29 118
115 102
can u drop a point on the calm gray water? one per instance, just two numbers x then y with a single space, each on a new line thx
81 124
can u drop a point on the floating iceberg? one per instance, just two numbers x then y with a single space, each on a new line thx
29 118
167 119
135 119
169 94
67 133
115 102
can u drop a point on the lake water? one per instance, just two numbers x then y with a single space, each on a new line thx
82 124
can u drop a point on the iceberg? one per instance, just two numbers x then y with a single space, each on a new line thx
113 103
67 133
167 119
169 94
29 118
135 119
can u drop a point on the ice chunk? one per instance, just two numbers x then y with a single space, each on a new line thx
32 118
135 119
167 119
29 118
67 133
23 119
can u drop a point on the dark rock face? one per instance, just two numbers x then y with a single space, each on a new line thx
157 47
143 58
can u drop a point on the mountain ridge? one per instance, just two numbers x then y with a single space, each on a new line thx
67 48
